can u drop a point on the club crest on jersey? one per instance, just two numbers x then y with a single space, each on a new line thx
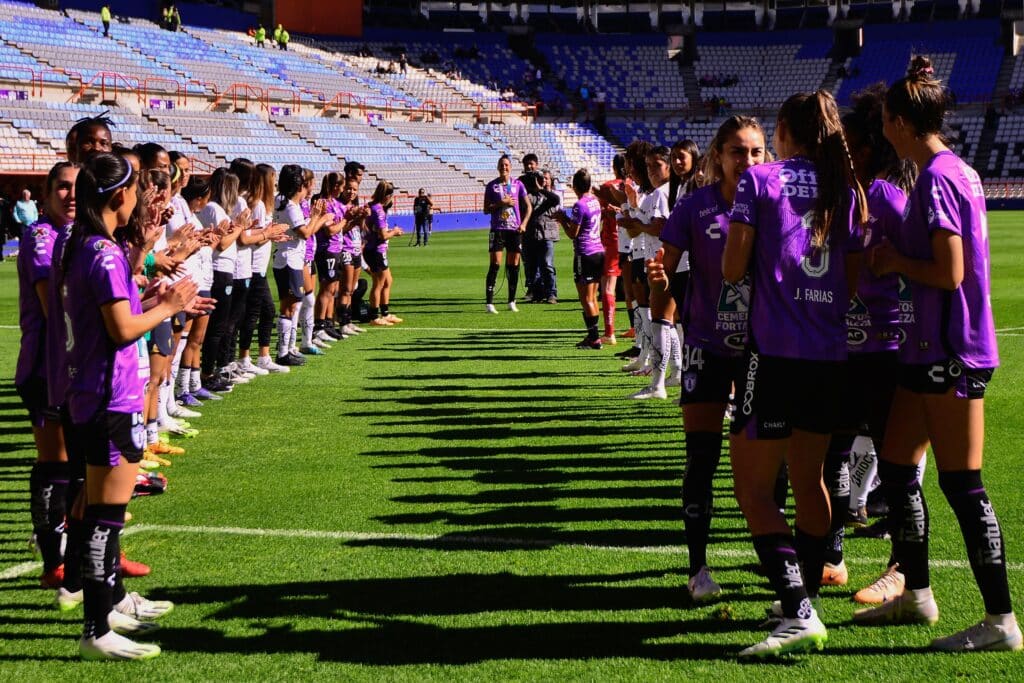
40 232
690 382
735 298
736 341
103 245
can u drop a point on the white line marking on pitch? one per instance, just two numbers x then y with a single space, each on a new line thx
483 329
729 553
1009 329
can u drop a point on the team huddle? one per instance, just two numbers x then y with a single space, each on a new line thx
142 287
837 295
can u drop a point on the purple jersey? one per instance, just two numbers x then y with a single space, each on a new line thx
376 223
505 217
326 242
715 312
872 323
798 299
102 376
307 210
56 335
35 255
352 241
586 216
949 196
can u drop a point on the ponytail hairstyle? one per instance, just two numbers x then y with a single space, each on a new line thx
197 188
636 154
224 189
677 182
246 172
919 98
98 179
619 166
327 186
382 193
864 125
51 181
148 153
581 181
268 179
711 163
812 120
289 183
308 177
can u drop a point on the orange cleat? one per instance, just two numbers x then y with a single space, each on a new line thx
161 448
132 569
629 334
835 575
53 578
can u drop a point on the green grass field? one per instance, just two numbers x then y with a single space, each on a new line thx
469 497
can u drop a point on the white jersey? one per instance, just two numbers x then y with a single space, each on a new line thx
654 205
243 261
292 252
261 254
212 215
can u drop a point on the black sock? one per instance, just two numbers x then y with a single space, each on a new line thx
631 314
345 314
982 536
782 486
591 322
385 310
783 568
492 277
703 452
811 552
837 481
102 526
318 324
512 275
374 312
907 521
48 486
73 531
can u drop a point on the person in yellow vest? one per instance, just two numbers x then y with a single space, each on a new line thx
277 34
175 22
283 41
105 18
260 36
166 15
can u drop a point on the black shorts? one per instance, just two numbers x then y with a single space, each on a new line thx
328 267
311 266
776 395
708 377
940 377
289 282
868 389
376 262
350 260
638 270
161 339
36 399
505 240
680 281
107 437
587 268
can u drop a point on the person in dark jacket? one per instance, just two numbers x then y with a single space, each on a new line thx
539 241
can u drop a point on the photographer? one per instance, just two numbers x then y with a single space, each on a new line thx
539 240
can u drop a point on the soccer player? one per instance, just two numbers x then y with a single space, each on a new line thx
311 345
685 159
51 474
607 194
714 315
946 363
793 227
104 395
351 256
583 227
502 200
289 258
87 137
376 236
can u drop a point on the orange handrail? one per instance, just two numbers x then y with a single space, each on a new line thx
246 89
114 77
33 76
292 93
144 91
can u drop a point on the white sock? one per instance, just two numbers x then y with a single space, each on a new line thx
176 361
920 469
676 357
152 432
863 471
1005 621
294 336
284 335
308 302
636 324
196 383
643 333
161 403
183 381
661 343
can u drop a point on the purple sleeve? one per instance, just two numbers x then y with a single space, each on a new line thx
677 228
40 242
856 232
109 276
521 191
943 209
744 207
491 194
577 214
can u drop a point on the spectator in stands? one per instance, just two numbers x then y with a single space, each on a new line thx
261 36
105 18
392 69
175 21
25 212
282 41
403 63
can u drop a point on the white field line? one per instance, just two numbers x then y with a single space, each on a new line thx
1009 329
26 568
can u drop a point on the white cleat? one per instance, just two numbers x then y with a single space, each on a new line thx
129 626
633 365
358 330
982 636
266 363
791 636
910 607
320 344
489 308
349 330
111 646
177 411
512 307
648 393
321 335
67 601
702 587
138 607
248 367
675 380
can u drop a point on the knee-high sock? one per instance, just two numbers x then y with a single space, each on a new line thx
48 485
308 303
161 403
661 350
492 279
676 355
703 452
512 275
837 481
176 360
296 317
608 308
779 559
982 536
284 335
863 472
811 551
908 521
100 555
643 333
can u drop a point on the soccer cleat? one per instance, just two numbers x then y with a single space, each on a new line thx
552 300
323 335
160 448
381 322
358 330
328 334
178 411
394 319
835 574
649 392
982 636
320 344
886 587
512 307
67 600
52 578
632 365
189 400
629 334
674 380
246 365
297 358
148 465
132 569
285 361
905 608
609 340
590 344
232 378
489 308
349 330
264 363
857 519
138 607
791 636
206 395
178 428
702 587
312 351
631 352
879 529
644 371
127 625
111 646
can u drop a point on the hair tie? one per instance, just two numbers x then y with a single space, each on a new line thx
127 175
924 71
